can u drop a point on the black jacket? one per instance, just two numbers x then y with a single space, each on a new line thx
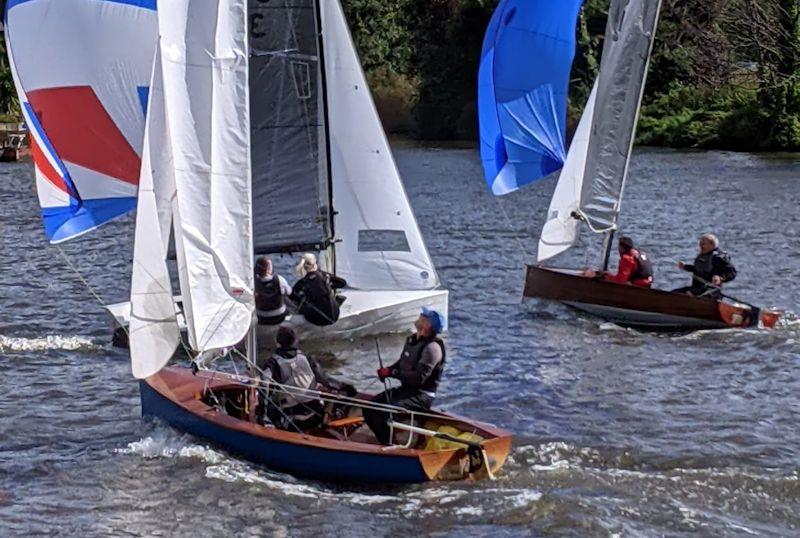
315 298
709 265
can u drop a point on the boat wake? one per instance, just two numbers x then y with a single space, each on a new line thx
164 443
467 500
10 344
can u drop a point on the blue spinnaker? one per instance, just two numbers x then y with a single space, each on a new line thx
522 90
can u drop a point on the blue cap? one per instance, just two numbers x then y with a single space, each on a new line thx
435 318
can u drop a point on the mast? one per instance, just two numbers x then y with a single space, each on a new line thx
609 239
326 123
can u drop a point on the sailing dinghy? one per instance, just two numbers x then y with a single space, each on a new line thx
521 140
196 186
324 179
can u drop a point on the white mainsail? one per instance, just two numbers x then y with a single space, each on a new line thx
379 245
206 138
561 230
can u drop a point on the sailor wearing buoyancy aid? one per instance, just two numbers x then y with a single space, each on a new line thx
315 293
270 291
711 268
290 368
419 370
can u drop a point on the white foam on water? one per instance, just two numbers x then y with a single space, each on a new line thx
556 455
50 342
608 326
469 511
223 467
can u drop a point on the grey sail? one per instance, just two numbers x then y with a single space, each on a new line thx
291 193
630 32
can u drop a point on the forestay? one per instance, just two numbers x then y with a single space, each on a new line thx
560 231
379 245
630 32
82 71
206 121
522 90
287 130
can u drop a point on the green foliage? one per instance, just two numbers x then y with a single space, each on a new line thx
723 74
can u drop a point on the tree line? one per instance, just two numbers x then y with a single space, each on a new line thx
724 73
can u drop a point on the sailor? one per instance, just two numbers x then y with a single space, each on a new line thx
270 292
711 268
289 367
315 293
419 371
634 266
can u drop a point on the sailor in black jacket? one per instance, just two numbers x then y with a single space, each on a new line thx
711 268
315 293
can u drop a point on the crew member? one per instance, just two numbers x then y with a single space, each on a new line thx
289 367
270 292
634 266
315 292
711 268
419 371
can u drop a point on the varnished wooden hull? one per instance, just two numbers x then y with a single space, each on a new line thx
626 305
172 395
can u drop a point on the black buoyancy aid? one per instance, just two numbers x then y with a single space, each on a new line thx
644 268
295 371
412 354
319 304
269 296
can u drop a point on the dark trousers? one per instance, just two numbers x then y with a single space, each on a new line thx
402 397
697 291
288 418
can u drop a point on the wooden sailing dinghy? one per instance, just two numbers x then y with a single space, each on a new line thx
518 147
644 308
196 186
212 406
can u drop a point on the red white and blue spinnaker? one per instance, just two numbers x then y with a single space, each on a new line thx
82 71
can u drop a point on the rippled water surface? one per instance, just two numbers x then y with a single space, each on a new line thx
618 432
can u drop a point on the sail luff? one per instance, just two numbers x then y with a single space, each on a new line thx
561 229
630 33
326 131
153 333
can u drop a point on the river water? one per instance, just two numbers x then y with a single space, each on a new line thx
618 433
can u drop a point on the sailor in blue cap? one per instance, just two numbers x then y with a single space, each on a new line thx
419 371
